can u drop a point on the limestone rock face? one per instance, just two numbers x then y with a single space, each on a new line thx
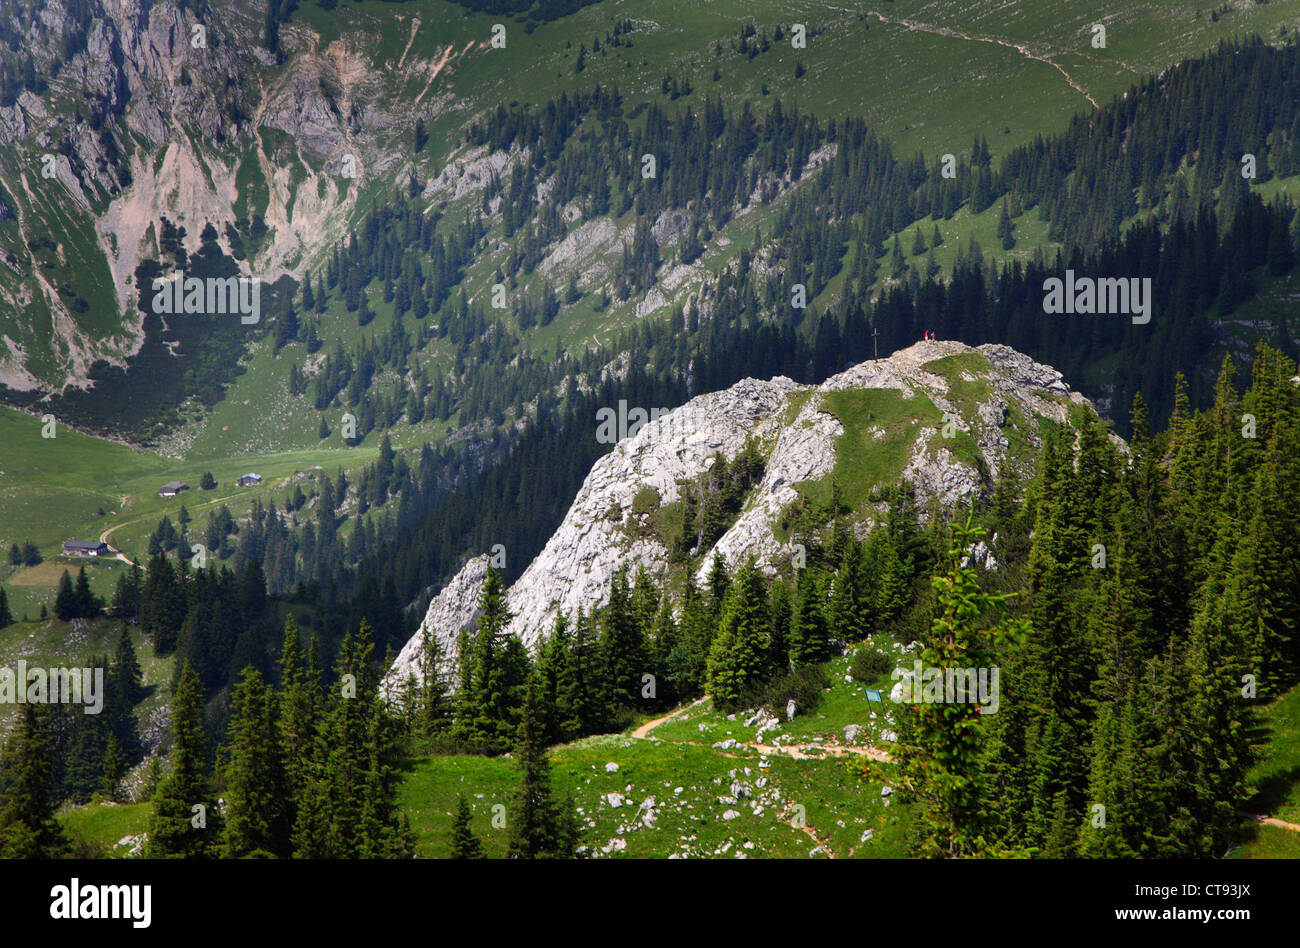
990 398
183 97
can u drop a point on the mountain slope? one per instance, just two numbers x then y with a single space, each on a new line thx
287 139
945 417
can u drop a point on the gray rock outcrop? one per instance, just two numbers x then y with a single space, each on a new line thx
799 437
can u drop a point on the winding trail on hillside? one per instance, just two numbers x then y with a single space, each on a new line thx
644 730
204 505
802 752
1269 821
950 33
795 751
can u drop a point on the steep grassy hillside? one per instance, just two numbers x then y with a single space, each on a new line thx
353 81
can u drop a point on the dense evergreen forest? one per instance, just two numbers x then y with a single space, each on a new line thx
415 518
1165 156
414 521
1128 678
1128 685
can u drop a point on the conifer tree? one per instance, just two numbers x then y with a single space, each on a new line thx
298 707
257 817
186 822
622 647
808 643
778 648
535 823
847 620
576 689
348 805
28 829
464 844
114 769
555 673
433 711
65 601
126 669
940 765
738 655
486 705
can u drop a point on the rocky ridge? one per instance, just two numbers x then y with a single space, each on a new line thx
799 438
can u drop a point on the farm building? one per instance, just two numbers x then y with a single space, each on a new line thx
249 480
172 488
85 548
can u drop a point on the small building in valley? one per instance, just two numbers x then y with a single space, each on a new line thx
249 480
85 548
172 488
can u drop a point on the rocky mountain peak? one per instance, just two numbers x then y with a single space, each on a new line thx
944 416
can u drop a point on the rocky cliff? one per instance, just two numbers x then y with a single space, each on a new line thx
192 119
946 417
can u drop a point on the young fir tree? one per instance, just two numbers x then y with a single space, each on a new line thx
897 262
808 642
537 829
6 617
257 818
126 669
433 709
186 822
1006 230
622 648
738 656
113 770
348 805
848 619
65 601
464 844
719 583
153 774
778 647
486 709
298 709
554 672
28 829
576 688
940 765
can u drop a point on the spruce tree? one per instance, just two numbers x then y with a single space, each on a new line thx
464 844
940 765
257 817
126 669
738 656
535 823
114 769
347 808
808 640
555 674
622 647
433 711
847 619
186 822
65 602
298 708
28 829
